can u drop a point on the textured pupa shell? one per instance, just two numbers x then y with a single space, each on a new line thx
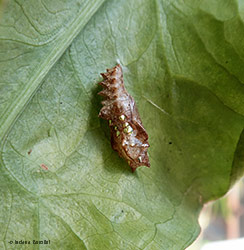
128 136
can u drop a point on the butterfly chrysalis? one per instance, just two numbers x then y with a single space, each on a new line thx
128 136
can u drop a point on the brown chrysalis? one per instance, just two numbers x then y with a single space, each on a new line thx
128 136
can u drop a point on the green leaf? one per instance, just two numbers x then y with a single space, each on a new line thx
60 179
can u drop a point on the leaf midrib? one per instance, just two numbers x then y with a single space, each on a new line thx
14 110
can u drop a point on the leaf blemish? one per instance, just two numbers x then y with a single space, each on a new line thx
44 167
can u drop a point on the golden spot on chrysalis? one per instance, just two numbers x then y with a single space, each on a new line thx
122 117
128 129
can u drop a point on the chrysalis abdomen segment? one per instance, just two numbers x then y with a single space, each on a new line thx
128 136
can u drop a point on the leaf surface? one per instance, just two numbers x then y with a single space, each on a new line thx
60 179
